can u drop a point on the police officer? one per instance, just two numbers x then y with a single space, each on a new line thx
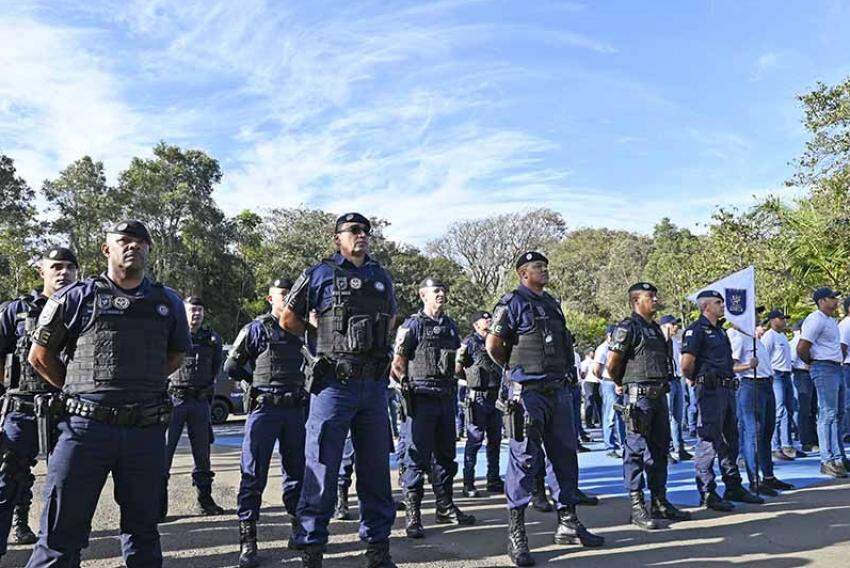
122 335
483 379
355 301
424 364
640 364
57 268
191 389
707 365
269 361
530 337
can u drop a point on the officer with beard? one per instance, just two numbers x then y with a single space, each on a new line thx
355 301
122 335
277 405
58 268
191 389
529 336
424 364
483 380
641 366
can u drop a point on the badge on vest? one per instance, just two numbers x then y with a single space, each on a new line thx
342 284
548 339
356 283
104 302
120 302
162 310
379 286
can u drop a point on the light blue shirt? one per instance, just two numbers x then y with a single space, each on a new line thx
779 349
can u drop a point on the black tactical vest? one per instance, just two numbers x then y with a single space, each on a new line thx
356 324
20 377
124 346
197 370
431 369
544 348
281 363
484 373
649 357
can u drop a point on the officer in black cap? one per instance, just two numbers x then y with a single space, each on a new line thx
529 336
707 364
268 361
191 389
424 363
110 343
57 268
640 364
483 378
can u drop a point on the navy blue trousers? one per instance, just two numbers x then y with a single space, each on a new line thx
194 413
266 425
551 428
346 466
361 407
647 455
430 438
86 452
486 421
575 392
16 478
717 437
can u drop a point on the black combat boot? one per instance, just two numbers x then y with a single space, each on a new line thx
295 527
21 531
496 485
341 512
638 515
413 514
517 539
712 500
539 500
206 502
741 495
470 491
571 531
661 508
312 555
449 513
248 544
583 498
378 555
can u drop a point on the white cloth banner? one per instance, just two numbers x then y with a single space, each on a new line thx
739 293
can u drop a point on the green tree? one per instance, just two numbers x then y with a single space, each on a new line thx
19 232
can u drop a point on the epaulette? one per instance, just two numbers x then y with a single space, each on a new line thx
504 300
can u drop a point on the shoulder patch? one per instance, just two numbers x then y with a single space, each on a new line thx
689 332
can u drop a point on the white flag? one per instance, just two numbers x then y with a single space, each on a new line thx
739 293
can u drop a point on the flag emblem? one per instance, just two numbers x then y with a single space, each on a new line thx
736 300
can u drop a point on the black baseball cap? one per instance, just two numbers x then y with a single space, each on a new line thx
669 319
824 292
642 287
530 256
479 314
284 283
709 294
131 228
352 218
61 253
775 314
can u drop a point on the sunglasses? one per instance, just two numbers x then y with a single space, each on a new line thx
356 230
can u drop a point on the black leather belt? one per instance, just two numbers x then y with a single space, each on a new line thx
758 379
190 392
130 415
348 370
714 382
648 390
20 404
285 400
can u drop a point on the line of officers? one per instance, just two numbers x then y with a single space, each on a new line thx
99 370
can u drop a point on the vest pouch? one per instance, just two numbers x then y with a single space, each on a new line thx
474 378
549 347
13 371
446 365
360 334
339 313
380 332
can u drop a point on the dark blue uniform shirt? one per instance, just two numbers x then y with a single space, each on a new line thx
471 346
12 326
710 346
410 333
77 301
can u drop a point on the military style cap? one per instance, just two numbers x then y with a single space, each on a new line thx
131 228
775 314
709 294
477 315
284 283
431 282
61 253
352 218
530 256
669 319
194 300
824 292
642 287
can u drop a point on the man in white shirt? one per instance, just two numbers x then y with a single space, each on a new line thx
613 427
844 336
675 398
820 348
590 389
756 407
779 351
807 399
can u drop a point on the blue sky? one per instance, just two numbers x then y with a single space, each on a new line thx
613 113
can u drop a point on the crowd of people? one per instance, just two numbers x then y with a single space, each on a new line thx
103 375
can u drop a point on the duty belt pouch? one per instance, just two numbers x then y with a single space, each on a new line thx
13 371
248 399
48 409
360 334
514 422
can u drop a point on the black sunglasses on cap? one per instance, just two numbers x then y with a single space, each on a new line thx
356 230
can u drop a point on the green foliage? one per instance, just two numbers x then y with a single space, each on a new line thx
19 232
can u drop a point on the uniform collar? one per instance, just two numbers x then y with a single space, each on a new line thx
137 291
529 293
426 316
704 321
345 263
